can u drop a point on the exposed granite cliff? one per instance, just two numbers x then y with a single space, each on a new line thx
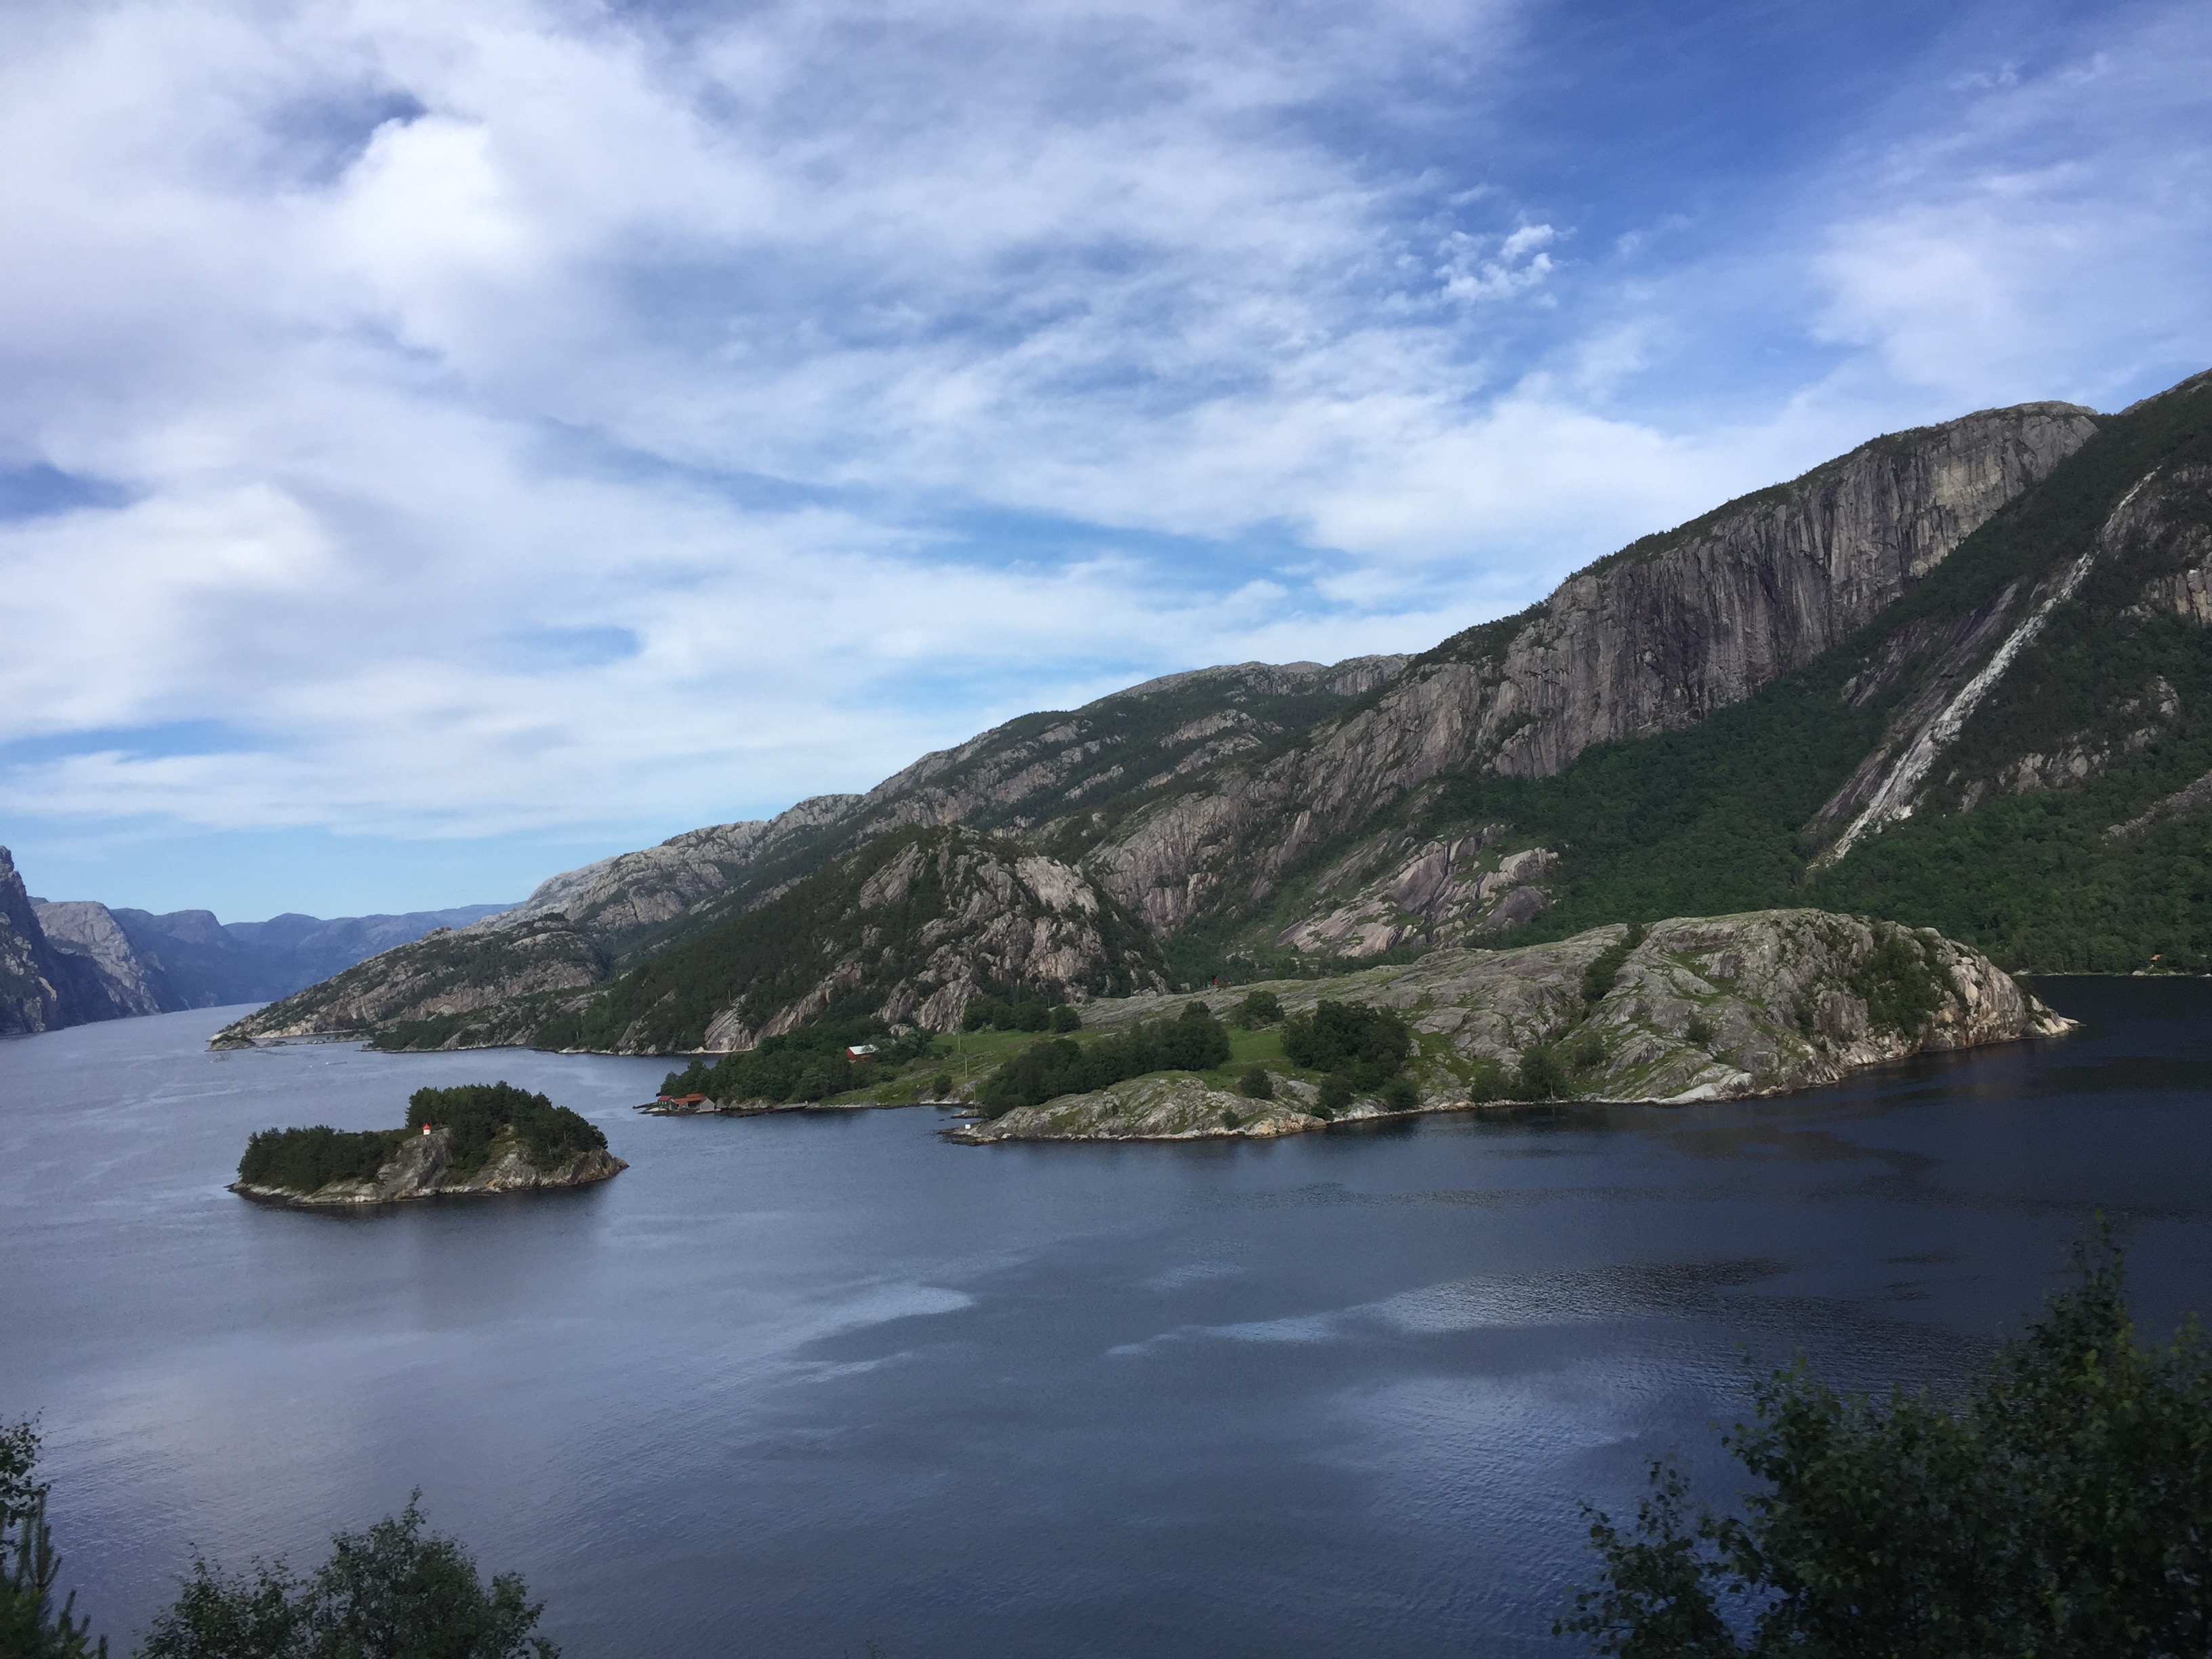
421 1167
113 982
35 981
1715 1008
1656 636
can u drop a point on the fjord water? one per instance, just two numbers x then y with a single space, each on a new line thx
794 1384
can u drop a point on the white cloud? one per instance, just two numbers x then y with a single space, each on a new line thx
850 359
2048 237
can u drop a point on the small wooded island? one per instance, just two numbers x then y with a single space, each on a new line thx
478 1138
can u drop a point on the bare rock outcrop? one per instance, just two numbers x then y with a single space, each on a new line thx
1700 1008
115 982
2167 524
1173 1106
35 983
1428 892
948 915
581 928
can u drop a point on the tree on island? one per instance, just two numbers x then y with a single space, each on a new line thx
2062 1505
474 1115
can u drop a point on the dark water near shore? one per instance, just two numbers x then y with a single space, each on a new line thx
792 1384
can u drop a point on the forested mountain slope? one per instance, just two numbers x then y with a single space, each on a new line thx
1957 677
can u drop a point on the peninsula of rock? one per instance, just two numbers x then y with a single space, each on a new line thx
1695 1009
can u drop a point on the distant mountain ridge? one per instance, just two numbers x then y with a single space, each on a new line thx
1972 623
68 962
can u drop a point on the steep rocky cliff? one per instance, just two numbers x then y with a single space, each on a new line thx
35 981
2007 752
586 926
1657 636
111 981
490 981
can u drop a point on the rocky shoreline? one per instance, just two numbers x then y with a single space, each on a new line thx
1767 1003
422 1167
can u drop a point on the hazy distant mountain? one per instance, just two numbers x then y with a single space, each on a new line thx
94 963
1958 676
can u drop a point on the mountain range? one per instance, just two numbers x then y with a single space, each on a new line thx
69 962
1957 678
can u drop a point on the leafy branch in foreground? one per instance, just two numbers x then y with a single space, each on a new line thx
2064 1506
30 1626
391 1592
394 1592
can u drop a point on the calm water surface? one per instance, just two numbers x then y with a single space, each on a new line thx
792 1384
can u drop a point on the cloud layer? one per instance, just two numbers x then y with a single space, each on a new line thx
567 418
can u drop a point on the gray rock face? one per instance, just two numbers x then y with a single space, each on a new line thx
2168 521
1173 1106
1439 888
946 916
115 982
2161 521
635 891
1657 636
422 1168
1679 625
35 980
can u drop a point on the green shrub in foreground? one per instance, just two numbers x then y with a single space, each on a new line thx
30 1626
391 1592
394 1592
2063 1506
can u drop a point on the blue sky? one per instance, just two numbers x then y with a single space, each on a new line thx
438 446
